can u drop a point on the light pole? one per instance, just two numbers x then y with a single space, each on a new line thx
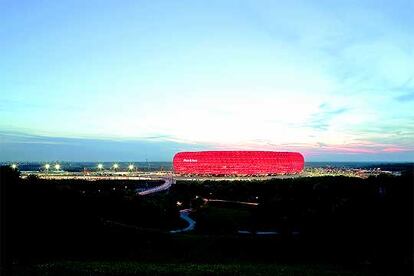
47 167
130 169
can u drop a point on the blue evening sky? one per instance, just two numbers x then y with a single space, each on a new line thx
131 80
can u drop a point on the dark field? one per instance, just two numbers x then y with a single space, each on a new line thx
133 268
319 226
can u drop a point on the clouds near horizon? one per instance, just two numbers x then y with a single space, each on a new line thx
331 79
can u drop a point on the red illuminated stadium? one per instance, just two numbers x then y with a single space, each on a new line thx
238 163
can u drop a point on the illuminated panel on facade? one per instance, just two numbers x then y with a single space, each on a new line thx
238 162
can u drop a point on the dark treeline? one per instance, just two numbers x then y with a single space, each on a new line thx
54 218
338 218
322 219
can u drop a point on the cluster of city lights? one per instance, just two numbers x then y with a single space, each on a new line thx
115 166
57 166
100 166
46 166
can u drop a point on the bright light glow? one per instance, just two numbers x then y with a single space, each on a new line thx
57 167
115 166
238 162
130 167
100 166
47 166
14 166
179 203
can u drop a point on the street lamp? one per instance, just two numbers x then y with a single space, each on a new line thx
14 166
115 166
100 166
47 167
57 167
130 167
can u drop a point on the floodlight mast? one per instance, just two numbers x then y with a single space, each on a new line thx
148 164
47 167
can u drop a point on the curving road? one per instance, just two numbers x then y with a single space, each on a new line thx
167 184
232 201
184 214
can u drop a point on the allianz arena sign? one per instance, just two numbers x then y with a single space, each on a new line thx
238 163
190 160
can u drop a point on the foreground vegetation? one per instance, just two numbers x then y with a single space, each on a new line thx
133 268
362 224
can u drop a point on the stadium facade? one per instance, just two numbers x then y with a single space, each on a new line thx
242 163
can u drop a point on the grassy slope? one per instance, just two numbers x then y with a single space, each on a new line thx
130 268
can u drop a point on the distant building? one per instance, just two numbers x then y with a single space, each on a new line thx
238 163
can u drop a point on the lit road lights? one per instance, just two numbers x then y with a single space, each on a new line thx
13 166
115 166
100 167
130 167
47 167
57 167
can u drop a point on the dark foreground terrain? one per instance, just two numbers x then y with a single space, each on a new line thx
303 226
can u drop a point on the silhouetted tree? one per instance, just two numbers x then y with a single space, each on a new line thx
9 179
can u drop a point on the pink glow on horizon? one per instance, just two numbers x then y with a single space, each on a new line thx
394 149
308 150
